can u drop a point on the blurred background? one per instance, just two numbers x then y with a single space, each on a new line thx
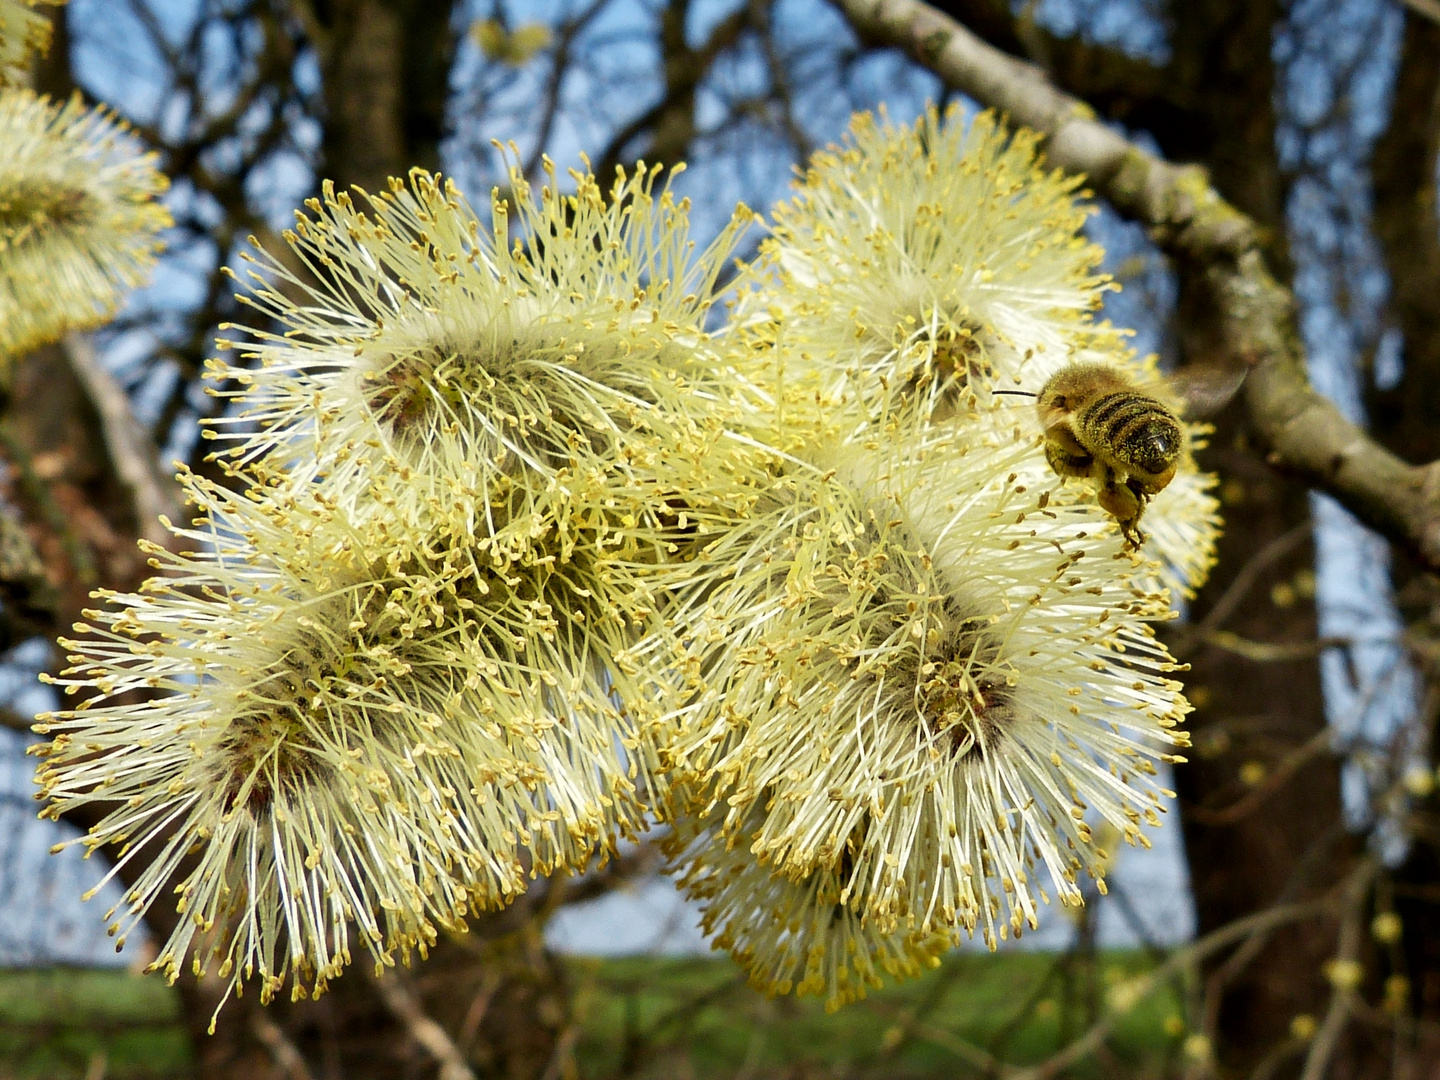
1305 830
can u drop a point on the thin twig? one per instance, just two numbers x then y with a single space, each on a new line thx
1276 1058
1258 923
152 495
1289 765
953 1044
405 1006
760 17
490 981
570 30
1296 882
1235 593
564 1047
1347 961
286 1055
910 1019
1273 652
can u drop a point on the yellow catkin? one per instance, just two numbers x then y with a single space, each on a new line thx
79 220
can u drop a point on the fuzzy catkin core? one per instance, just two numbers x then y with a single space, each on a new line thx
965 690
30 208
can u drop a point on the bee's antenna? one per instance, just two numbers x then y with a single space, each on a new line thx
1015 393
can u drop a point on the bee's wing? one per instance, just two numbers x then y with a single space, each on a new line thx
1202 390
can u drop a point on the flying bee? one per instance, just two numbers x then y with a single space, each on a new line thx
1100 424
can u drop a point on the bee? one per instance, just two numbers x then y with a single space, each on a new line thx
1100 424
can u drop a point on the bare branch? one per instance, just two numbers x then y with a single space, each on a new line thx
1262 922
405 1005
1273 652
286 1055
1254 570
1120 85
671 122
152 494
952 1044
1344 974
570 30
1303 432
563 1052
1428 8
1292 763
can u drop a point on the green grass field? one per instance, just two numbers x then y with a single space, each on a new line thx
697 1019
63 1023
669 1018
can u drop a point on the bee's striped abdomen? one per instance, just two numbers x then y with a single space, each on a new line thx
1139 431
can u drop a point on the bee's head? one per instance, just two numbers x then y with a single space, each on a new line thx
1075 384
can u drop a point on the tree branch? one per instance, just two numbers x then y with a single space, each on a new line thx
1302 432
1344 974
1121 86
286 1055
671 121
1124 997
405 1005
152 494
1429 8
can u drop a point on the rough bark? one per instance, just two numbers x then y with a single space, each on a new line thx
1407 418
1408 227
386 69
1291 847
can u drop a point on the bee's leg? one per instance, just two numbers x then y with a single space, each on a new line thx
1066 463
1146 484
1143 489
1126 506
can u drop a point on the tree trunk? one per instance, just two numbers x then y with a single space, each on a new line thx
386 70
1407 223
1408 228
1250 716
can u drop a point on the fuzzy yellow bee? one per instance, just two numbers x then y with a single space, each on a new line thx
1101 424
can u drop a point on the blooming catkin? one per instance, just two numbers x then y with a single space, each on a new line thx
392 679
925 666
916 262
934 662
321 743
561 372
79 220
23 32
790 935
916 259
545 397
